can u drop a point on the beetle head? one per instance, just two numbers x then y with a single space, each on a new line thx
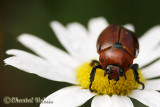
114 72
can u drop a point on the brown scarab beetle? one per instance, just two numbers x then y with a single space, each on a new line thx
117 47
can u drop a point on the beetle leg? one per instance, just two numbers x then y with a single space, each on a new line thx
93 62
135 71
93 74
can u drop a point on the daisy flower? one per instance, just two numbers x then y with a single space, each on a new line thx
73 67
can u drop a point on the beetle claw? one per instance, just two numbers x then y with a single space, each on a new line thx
90 87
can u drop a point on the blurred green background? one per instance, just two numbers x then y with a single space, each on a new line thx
34 16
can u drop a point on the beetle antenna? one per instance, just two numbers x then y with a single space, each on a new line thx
109 79
105 73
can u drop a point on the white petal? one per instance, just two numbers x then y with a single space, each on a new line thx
101 101
36 65
96 25
147 97
129 27
121 101
152 84
72 96
114 101
149 46
47 51
74 38
152 71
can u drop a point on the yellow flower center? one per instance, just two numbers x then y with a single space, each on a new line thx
101 84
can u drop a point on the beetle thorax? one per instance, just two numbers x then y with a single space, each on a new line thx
116 56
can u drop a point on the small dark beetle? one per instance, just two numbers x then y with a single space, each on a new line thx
117 47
